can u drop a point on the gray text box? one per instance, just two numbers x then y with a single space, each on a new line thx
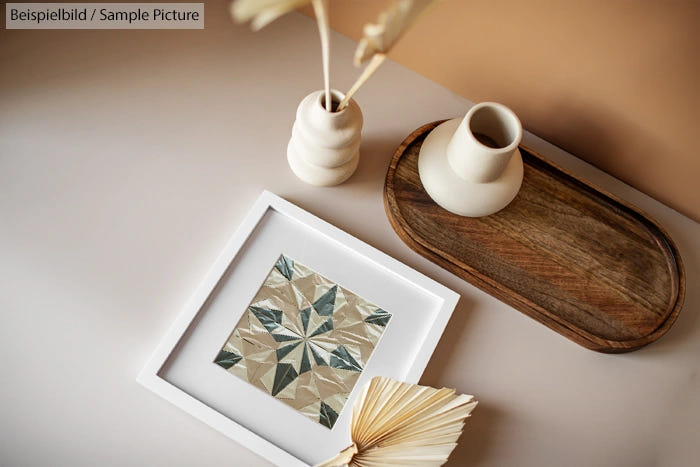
104 16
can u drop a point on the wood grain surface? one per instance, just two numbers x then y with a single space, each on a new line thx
583 262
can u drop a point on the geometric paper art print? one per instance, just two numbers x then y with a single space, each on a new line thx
304 340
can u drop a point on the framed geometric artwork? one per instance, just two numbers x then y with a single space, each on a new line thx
305 340
292 320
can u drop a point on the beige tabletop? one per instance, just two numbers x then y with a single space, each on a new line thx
127 159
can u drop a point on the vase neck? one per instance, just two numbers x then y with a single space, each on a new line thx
484 142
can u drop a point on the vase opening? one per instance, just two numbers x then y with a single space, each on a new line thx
494 127
336 97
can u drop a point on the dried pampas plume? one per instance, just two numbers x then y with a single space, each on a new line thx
381 36
262 12
397 423
378 37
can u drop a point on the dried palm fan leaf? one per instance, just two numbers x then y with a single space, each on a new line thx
263 12
381 36
397 423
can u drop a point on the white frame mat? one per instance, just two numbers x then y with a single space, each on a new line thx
181 369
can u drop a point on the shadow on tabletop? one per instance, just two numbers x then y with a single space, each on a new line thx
455 331
477 440
368 179
362 191
375 155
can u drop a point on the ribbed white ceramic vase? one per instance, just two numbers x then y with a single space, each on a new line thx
324 148
472 166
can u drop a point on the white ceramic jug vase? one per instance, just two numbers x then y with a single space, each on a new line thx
325 146
472 166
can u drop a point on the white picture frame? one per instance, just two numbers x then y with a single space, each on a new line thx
181 369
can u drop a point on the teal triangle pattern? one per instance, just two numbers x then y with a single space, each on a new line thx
327 415
286 267
379 317
305 314
284 351
325 327
325 303
271 319
341 358
284 374
284 338
305 363
227 359
317 358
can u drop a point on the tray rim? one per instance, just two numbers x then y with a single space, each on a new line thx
514 299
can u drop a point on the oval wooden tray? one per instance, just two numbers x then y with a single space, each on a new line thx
580 261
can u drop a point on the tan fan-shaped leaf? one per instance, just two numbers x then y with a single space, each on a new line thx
379 37
263 12
397 423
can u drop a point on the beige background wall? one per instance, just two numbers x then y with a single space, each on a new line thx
615 82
